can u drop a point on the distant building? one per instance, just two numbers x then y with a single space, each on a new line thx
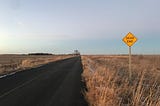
76 52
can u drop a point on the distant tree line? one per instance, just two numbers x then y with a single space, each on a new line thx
40 54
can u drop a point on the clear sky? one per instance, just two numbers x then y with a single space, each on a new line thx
91 26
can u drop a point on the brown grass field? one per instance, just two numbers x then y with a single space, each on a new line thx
12 63
108 83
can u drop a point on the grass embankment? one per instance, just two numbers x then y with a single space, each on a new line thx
108 83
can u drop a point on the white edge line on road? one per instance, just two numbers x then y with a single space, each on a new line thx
2 76
7 75
12 90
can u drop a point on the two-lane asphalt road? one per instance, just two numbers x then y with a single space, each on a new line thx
54 84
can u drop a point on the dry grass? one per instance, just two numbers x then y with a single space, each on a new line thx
108 83
12 63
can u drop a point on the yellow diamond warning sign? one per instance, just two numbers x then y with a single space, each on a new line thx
129 39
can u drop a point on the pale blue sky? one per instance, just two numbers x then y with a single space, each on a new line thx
91 26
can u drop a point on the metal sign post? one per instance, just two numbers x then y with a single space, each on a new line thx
130 72
129 39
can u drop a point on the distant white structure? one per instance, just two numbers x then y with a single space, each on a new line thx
76 52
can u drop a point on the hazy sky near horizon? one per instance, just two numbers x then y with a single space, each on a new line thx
91 26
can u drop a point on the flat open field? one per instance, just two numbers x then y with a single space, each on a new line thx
12 63
108 82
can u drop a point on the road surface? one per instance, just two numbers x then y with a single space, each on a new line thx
54 84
